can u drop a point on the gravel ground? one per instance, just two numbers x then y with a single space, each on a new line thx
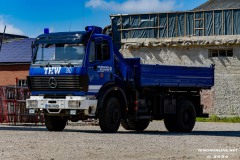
207 141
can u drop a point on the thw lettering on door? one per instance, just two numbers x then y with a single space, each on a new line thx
52 70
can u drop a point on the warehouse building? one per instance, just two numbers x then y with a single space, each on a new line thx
209 34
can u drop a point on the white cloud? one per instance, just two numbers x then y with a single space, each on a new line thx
133 6
10 28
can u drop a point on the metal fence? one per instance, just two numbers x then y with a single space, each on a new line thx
13 105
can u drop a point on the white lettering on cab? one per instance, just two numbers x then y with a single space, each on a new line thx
52 70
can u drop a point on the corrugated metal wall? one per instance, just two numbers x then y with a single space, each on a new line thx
179 24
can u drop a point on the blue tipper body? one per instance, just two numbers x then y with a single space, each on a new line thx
171 76
176 76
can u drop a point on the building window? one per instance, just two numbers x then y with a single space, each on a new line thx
220 53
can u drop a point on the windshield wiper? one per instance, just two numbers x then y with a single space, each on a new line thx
70 64
40 64
64 63
48 65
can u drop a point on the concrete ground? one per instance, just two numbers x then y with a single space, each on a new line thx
207 141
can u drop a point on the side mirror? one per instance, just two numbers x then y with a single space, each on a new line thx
98 40
105 51
104 47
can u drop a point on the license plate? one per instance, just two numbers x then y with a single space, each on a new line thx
51 105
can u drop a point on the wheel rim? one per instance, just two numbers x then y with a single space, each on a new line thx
114 115
187 116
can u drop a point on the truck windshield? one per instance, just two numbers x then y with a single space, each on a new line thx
59 53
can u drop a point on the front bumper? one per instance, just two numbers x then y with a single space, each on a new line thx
87 105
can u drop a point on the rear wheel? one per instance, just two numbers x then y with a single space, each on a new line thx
110 115
55 123
170 122
184 120
139 125
186 116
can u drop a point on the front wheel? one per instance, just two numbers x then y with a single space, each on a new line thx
55 123
110 115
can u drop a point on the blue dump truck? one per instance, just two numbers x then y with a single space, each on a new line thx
80 75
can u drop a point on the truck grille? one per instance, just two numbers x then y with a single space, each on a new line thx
61 83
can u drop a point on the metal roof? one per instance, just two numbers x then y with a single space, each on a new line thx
218 4
11 36
17 51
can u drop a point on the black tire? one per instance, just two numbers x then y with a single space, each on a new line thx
110 116
125 125
186 116
184 120
55 123
139 125
170 122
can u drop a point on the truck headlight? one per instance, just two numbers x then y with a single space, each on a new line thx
32 104
73 103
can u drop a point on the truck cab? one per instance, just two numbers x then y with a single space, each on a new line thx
67 71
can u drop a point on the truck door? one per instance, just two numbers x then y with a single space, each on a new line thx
100 64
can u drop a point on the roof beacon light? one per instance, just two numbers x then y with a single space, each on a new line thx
94 29
46 30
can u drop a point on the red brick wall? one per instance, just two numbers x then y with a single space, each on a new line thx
8 73
207 99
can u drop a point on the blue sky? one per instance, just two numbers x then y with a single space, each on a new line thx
30 17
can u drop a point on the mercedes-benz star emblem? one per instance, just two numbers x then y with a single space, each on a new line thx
52 82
